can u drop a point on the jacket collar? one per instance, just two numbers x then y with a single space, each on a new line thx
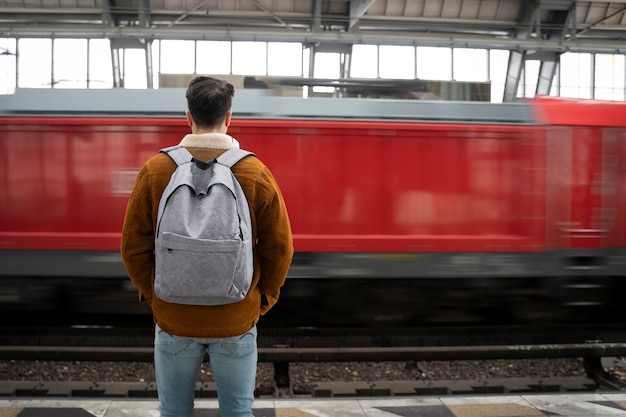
209 141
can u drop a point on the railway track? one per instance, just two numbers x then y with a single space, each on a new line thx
134 342
363 388
282 347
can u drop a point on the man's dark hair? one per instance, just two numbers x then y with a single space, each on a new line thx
209 100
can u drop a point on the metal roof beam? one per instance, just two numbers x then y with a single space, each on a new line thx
513 74
144 13
527 15
187 13
546 75
608 17
317 16
357 9
563 17
107 16
555 4
407 38
270 13
118 82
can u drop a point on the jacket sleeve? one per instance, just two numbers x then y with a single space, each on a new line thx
137 246
274 241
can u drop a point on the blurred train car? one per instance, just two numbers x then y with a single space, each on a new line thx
403 212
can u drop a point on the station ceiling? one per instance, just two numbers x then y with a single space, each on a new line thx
541 25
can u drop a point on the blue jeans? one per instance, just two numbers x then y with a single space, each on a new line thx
177 363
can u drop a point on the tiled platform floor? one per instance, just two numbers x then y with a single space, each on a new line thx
572 405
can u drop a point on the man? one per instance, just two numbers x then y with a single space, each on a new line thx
183 333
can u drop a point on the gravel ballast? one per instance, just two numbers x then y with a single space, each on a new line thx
304 375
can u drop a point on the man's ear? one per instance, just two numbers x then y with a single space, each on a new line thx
227 119
189 118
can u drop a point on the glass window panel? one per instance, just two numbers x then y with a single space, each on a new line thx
470 64
603 93
100 67
364 61
70 63
604 71
520 86
619 85
531 77
213 57
556 82
575 74
498 67
156 62
306 61
619 74
177 57
284 59
135 68
250 58
327 65
609 77
397 62
34 64
434 63
8 65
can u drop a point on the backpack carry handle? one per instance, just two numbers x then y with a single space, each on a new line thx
203 165
181 156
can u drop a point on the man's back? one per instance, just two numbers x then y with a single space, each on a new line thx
184 333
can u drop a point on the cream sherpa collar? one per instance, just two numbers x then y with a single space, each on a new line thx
209 141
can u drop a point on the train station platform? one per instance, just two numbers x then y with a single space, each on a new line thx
505 405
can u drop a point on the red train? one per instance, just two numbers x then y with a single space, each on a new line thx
402 211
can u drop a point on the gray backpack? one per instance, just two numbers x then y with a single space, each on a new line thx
203 243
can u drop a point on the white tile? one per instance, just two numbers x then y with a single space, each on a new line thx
324 408
14 403
133 408
401 401
210 403
573 405
614 396
569 404
491 399
372 407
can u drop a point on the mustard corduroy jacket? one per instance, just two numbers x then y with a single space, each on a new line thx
272 239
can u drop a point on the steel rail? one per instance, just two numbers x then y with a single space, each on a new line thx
333 354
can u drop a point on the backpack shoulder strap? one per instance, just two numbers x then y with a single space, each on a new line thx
232 156
179 154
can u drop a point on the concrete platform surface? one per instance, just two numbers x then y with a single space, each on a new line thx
504 405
